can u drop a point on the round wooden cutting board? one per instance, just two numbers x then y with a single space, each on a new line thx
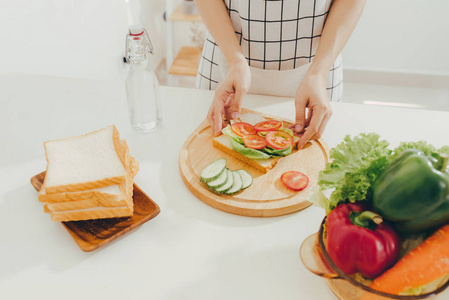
267 196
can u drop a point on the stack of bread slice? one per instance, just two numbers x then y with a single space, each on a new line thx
89 177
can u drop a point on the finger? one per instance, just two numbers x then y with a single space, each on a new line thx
312 129
308 118
237 103
224 123
210 115
307 122
218 117
323 125
300 106
227 108
291 126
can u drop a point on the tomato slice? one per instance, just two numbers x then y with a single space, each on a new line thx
242 128
295 180
254 141
279 139
268 125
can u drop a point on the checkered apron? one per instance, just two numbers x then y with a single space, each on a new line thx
279 39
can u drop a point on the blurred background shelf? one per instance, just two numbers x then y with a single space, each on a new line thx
187 56
178 15
186 62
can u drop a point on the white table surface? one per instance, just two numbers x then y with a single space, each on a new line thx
190 250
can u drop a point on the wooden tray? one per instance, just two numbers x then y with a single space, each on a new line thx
92 234
267 196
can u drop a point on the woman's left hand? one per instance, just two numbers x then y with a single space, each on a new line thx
311 94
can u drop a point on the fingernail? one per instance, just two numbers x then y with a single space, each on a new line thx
298 128
235 115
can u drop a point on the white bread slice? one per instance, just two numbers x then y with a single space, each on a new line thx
113 193
85 162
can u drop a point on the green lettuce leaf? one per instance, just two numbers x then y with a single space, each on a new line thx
431 151
248 152
228 131
444 150
423 146
287 130
317 198
274 152
355 164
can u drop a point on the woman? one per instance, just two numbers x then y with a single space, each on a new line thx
284 48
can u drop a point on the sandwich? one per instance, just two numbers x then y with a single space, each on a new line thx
258 141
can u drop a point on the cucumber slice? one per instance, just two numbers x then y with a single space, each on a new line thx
246 178
213 170
219 182
238 183
228 185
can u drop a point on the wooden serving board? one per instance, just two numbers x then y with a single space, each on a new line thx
92 234
267 196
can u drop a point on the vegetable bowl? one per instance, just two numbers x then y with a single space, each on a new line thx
317 260
386 230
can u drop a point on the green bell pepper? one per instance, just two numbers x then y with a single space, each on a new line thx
413 192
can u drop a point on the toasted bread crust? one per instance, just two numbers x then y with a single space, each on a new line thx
66 211
94 195
85 186
82 204
251 162
115 212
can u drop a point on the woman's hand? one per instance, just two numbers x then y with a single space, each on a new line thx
311 94
229 95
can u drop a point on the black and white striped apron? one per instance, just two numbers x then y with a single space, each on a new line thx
279 40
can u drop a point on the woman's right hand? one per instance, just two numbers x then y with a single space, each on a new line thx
229 95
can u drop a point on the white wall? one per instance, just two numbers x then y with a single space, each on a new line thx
85 38
410 36
74 38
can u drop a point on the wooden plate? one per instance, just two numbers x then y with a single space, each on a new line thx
267 196
92 234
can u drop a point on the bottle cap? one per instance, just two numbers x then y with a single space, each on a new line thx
135 30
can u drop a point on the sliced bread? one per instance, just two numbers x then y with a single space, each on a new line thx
85 162
110 196
89 213
73 213
113 193
78 211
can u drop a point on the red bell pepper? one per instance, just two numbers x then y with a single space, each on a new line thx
359 242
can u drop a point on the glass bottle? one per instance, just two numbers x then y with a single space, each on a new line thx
142 86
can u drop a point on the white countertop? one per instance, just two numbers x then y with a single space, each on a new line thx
190 250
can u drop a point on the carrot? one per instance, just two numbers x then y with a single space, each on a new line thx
424 264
